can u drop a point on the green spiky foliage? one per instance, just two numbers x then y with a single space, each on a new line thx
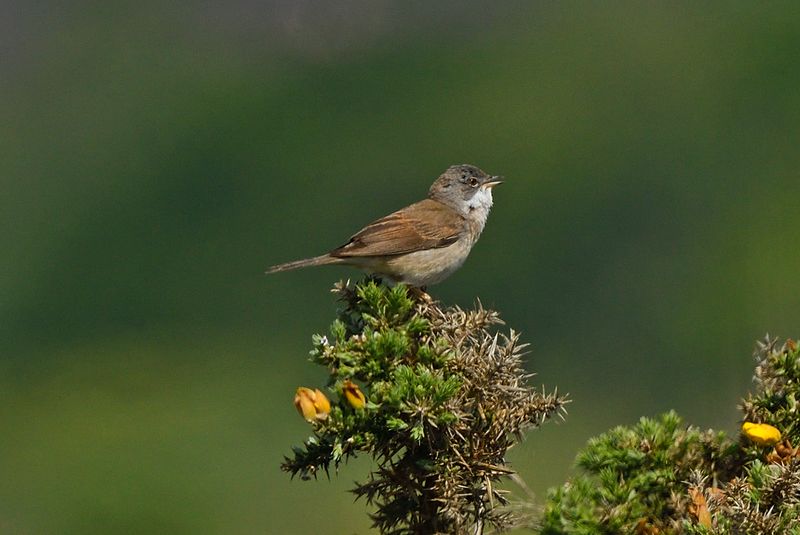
446 397
776 399
663 477
631 475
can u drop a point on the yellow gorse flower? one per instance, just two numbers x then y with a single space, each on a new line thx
312 404
761 434
355 397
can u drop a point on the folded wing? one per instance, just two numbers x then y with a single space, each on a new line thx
427 224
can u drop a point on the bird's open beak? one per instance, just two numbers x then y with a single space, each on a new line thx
492 182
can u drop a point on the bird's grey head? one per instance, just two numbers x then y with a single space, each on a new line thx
465 188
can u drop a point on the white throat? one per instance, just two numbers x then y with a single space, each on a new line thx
478 207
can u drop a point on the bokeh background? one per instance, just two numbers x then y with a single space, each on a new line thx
156 158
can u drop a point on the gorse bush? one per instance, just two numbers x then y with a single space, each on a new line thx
434 395
662 477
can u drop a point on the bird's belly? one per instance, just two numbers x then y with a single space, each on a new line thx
423 268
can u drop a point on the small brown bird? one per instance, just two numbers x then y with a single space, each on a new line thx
423 243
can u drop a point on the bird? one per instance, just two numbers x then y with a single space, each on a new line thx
423 243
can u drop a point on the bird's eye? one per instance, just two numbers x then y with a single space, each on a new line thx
473 182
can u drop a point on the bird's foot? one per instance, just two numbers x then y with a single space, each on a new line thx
419 294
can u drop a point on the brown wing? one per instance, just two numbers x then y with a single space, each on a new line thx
427 224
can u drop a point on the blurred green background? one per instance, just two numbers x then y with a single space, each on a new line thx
155 159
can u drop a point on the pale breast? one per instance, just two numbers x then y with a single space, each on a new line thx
423 268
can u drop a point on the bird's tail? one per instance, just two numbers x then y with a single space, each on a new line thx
320 260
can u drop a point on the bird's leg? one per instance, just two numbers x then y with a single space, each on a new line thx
419 294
